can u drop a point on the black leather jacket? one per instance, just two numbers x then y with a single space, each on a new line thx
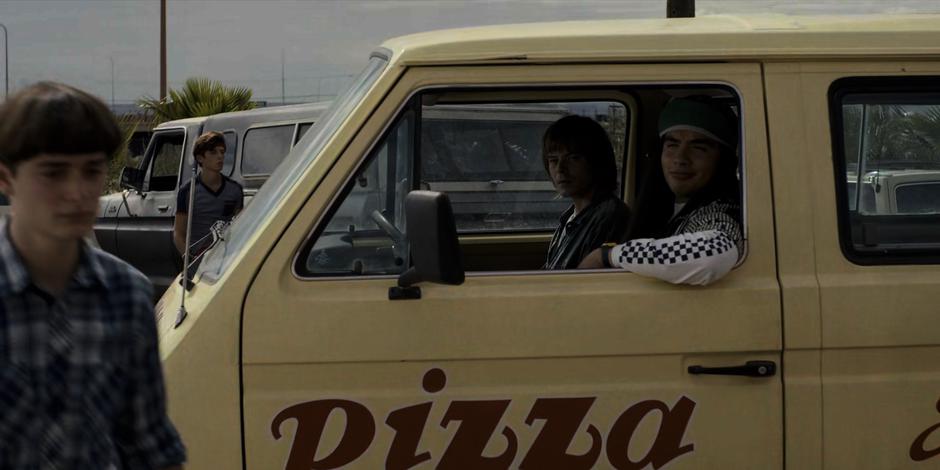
605 220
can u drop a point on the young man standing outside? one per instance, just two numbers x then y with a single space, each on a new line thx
81 384
216 196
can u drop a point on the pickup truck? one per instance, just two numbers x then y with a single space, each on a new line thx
136 224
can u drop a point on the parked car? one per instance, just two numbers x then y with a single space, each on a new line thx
898 191
137 223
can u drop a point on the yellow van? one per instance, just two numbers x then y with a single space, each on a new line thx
328 330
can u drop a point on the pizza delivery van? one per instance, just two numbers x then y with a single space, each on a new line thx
348 318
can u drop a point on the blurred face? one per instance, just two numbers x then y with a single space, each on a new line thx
689 161
54 195
570 173
213 159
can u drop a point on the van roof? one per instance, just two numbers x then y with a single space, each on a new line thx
181 122
704 38
268 114
243 119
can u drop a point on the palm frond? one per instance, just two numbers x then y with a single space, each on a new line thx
199 96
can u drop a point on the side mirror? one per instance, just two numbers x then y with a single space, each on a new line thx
132 178
435 251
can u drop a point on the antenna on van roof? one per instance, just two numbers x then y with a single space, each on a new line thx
680 8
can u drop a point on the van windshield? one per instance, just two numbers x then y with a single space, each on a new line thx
287 174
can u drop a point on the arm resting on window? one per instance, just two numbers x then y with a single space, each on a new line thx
698 258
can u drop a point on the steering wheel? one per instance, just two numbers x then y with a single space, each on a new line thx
387 227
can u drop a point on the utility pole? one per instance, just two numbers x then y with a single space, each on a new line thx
162 49
111 58
680 8
283 93
6 62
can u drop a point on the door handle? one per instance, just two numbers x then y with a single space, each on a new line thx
749 369
163 208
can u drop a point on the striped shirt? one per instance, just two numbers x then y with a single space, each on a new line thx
81 385
209 207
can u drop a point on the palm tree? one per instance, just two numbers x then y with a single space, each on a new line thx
198 97
924 133
898 134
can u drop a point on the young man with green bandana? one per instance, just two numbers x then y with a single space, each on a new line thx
703 239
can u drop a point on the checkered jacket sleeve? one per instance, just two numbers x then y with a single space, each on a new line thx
698 258
705 246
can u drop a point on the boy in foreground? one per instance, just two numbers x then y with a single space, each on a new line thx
81 386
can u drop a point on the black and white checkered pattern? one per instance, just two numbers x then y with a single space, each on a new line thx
80 378
675 249
699 236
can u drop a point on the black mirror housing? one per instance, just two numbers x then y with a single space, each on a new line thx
435 250
131 178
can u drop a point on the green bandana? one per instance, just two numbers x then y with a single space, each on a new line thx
704 118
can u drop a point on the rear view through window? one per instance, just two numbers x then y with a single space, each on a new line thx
887 136
488 159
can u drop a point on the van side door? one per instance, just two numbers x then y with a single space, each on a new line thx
485 374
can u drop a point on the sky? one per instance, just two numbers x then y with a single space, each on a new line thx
323 42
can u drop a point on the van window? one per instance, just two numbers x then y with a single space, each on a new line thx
365 233
165 161
486 156
265 147
484 150
886 133
488 159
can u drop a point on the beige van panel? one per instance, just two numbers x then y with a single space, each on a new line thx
794 206
524 337
880 341
200 362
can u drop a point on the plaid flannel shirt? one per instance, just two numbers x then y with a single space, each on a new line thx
81 386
